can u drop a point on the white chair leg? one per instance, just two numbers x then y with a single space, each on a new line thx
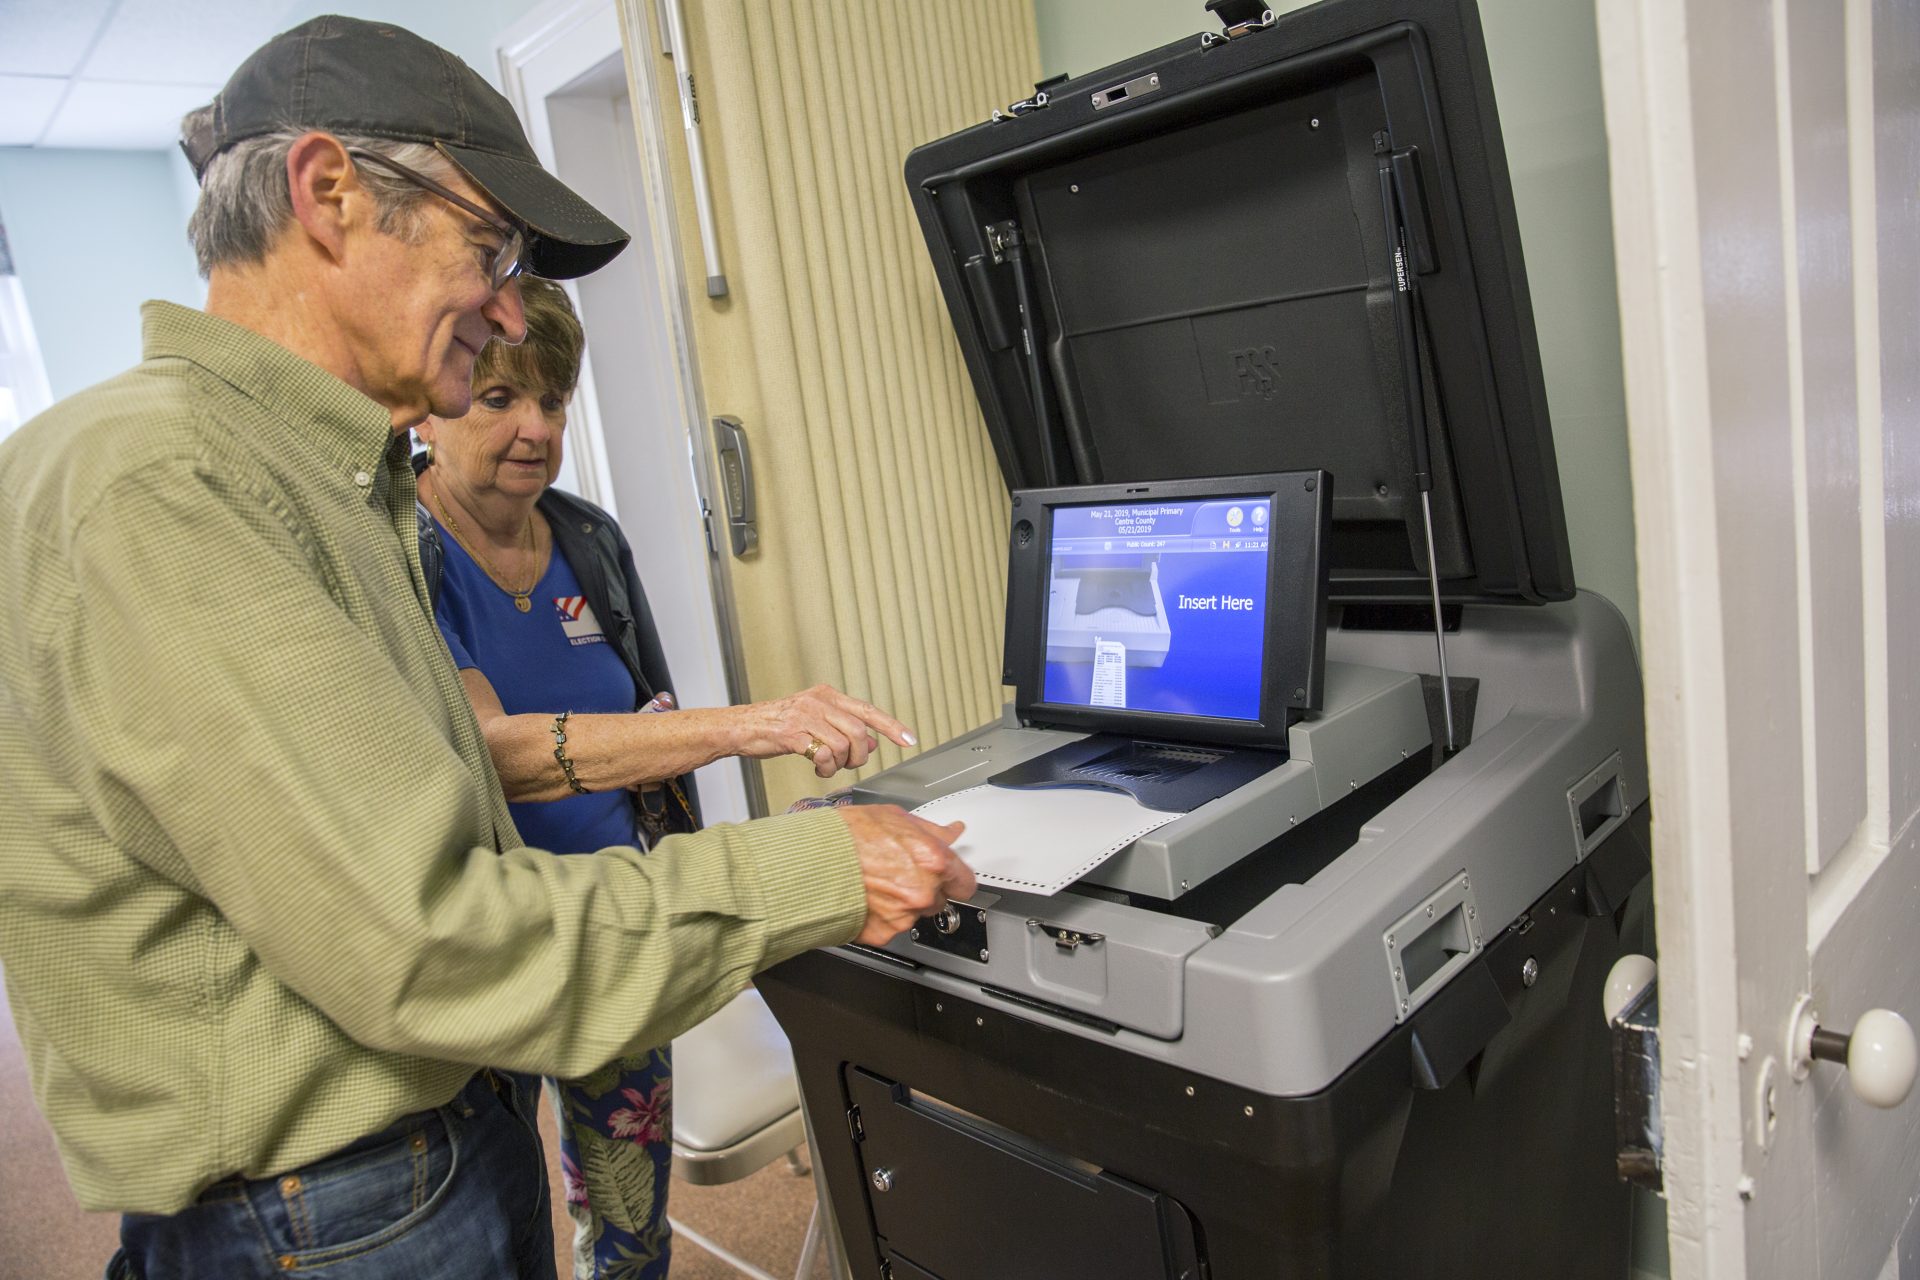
798 1169
810 1247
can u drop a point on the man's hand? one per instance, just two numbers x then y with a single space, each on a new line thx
909 867
841 725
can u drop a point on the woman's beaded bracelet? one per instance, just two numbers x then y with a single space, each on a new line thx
560 752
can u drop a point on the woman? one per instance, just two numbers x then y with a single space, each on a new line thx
536 593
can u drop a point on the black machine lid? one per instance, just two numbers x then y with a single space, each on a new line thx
1205 236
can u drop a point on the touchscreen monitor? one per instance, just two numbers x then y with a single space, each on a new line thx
1196 609
1159 606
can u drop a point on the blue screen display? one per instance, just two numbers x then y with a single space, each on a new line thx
1159 607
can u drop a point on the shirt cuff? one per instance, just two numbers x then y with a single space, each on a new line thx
815 895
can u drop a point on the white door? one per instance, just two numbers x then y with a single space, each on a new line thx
1766 192
632 446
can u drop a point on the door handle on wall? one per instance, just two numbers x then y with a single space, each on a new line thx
736 482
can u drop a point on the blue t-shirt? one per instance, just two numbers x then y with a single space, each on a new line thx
555 658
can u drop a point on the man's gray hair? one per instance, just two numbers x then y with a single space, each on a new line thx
244 202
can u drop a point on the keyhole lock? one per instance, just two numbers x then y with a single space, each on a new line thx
1766 1103
883 1179
947 920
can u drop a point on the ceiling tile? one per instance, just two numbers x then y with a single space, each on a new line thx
101 113
26 104
183 41
48 37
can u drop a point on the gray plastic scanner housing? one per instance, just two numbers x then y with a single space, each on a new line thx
1289 994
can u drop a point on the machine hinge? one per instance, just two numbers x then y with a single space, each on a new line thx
886 1269
854 1127
1003 238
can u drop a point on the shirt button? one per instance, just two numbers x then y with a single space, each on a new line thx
362 479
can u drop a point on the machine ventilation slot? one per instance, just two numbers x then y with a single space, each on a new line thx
1396 615
888 956
1087 1020
1597 805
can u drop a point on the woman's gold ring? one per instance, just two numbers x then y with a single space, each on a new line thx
813 745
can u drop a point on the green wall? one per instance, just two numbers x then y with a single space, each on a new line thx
1546 78
94 234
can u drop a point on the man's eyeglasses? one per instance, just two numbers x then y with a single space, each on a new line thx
507 259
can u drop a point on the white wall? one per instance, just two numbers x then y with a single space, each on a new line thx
1546 80
96 233
466 29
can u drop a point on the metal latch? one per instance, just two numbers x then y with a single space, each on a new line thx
1064 938
1039 100
1237 25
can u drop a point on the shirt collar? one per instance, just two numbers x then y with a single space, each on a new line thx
343 425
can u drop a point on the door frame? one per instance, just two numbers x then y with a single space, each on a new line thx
1775 536
585 33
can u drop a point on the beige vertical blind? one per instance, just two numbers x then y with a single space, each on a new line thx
882 512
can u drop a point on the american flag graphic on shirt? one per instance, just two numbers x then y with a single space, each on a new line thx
577 620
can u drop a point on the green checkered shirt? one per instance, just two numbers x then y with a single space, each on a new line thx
259 892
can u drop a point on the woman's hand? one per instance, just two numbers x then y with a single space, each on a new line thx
843 726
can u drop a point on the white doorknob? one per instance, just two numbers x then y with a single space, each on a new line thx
1630 975
1880 1055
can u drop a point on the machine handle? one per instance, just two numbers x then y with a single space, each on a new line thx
1630 975
736 482
1880 1055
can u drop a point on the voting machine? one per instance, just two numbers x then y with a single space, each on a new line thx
1319 814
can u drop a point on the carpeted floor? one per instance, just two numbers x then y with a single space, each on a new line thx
44 1235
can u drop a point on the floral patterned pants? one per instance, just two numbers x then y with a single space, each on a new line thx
616 1151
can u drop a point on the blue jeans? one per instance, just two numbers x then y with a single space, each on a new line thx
455 1193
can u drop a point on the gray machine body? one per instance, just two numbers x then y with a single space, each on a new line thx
1285 997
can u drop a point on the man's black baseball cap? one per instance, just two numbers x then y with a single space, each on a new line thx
349 76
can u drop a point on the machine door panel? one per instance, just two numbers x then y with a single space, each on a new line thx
956 1198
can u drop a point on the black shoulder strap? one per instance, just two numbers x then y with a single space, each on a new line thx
432 555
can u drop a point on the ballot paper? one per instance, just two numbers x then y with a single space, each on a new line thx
1109 673
1041 840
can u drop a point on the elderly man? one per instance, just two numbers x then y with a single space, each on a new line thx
264 919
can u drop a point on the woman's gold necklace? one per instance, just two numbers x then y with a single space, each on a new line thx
521 595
